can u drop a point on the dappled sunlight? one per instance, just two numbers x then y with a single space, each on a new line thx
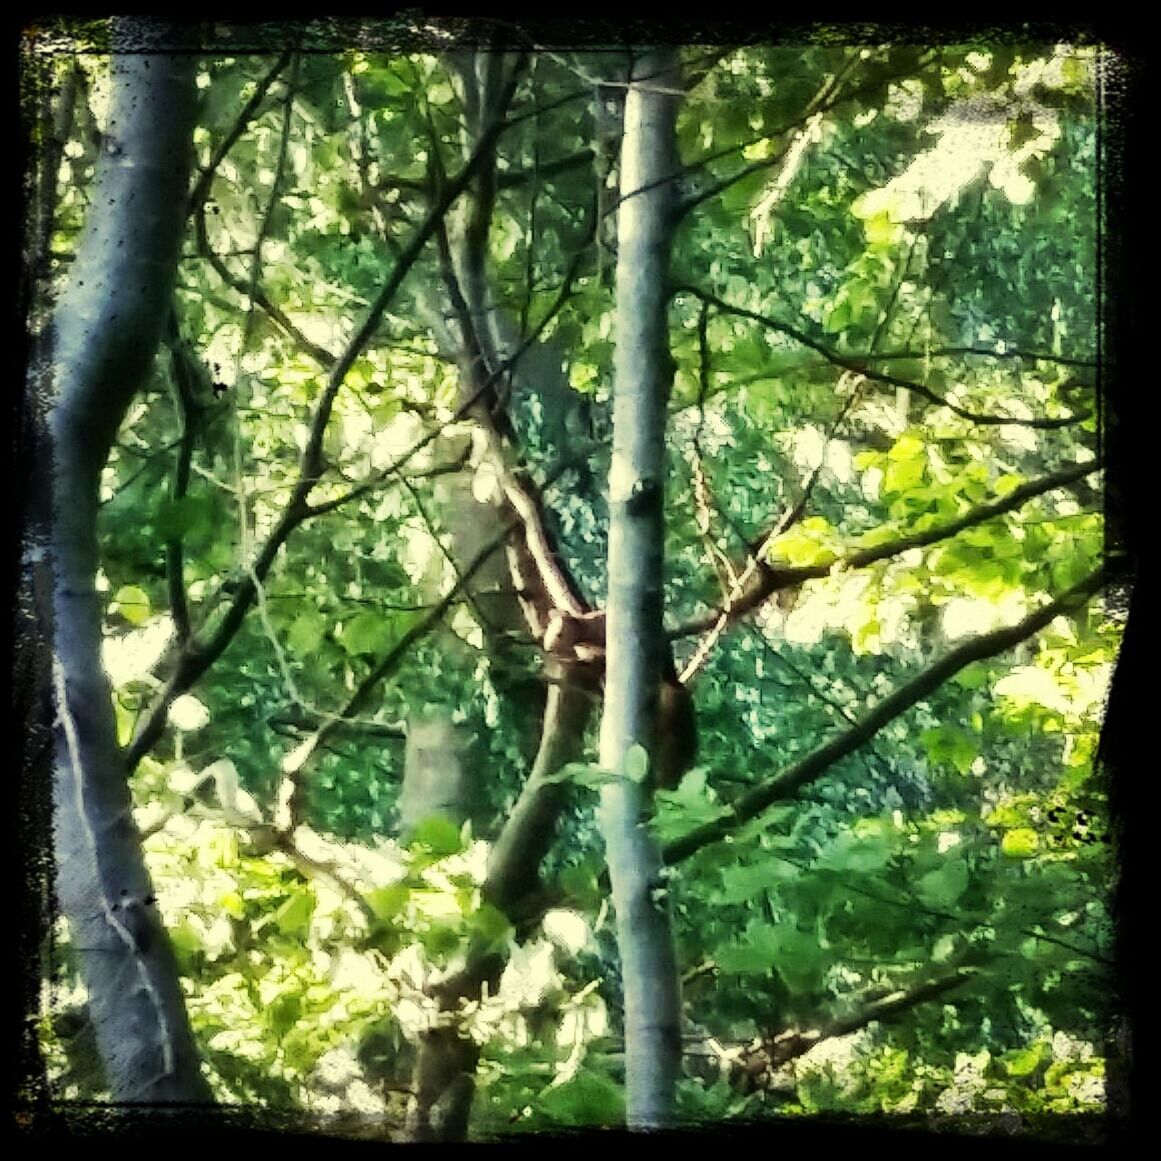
600 628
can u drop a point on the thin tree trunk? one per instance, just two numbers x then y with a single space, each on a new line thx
97 350
443 1076
636 547
443 1079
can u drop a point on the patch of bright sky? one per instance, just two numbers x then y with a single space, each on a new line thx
809 446
130 656
964 617
973 138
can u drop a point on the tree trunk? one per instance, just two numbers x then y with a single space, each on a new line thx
97 350
636 548
443 1079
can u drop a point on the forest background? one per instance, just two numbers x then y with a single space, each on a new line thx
783 959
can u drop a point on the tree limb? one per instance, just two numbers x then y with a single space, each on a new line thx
184 380
246 114
858 364
199 653
757 1061
771 578
786 783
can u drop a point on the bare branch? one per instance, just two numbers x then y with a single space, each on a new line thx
858 364
771 578
261 299
983 352
392 472
509 178
184 380
246 114
786 1046
790 780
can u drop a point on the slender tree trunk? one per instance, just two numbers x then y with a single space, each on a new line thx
97 350
636 547
443 1079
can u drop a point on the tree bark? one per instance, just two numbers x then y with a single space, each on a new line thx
94 355
482 335
643 376
443 1075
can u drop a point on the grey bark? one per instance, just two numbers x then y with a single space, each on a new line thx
437 781
514 866
443 1075
440 771
97 350
643 375
481 337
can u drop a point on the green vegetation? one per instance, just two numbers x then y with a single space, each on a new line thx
395 303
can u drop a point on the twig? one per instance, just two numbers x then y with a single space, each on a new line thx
788 781
858 364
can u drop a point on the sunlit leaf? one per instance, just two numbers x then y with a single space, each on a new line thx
1020 842
294 916
132 603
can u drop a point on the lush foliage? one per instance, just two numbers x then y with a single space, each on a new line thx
883 321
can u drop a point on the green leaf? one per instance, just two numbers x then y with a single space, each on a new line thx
388 902
293 917
490 925
798 959
861 855
637 763
439 835
183 518
232 903
746 959
802 548
588 1098
365 633
973 677
441 939
387 939
582 885
907 447
306 634
881 230
1023 1061
942 887
839 318
187 943
952 746
743 882
132 603
866 636
902 475
1021 842
283 1013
